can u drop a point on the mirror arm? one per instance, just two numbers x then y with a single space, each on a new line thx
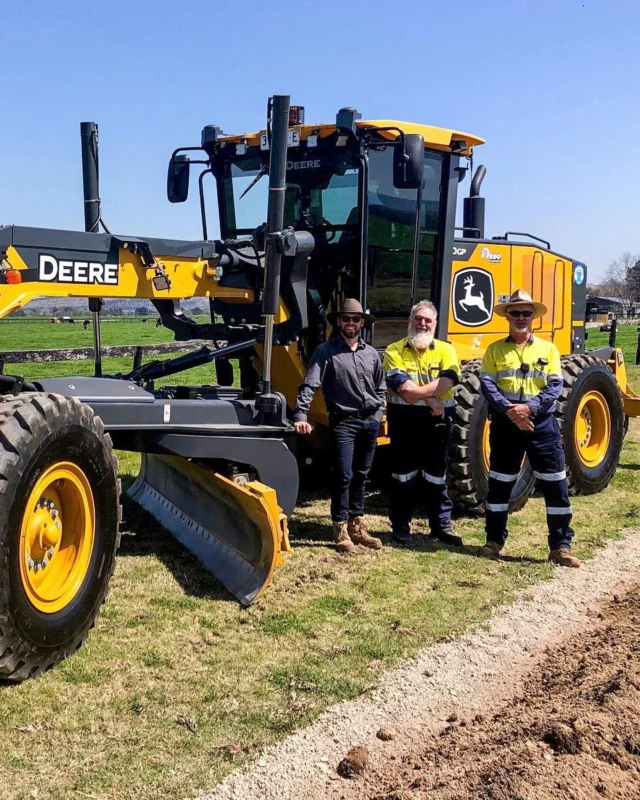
184 150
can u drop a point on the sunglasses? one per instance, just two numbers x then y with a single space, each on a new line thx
516 314
351 317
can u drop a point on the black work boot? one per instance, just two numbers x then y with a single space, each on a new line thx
403 538
447 537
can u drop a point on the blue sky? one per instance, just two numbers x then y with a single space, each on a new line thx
552 85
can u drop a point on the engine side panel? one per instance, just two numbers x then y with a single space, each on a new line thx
486 272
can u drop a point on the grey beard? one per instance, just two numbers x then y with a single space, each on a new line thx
420 340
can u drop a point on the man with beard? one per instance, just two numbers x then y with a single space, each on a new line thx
521 378
421 373
352 381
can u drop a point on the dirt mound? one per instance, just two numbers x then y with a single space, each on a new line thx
574 731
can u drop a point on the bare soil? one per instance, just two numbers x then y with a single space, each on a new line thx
541 702
572 732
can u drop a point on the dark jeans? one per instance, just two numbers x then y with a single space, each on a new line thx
418 452
354 442
543 445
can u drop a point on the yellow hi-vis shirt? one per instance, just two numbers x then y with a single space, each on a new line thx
521 373
402 361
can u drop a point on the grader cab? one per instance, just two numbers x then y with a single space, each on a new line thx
354 208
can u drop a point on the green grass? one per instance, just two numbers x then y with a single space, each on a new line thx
626 338
37 335
177 685
32 335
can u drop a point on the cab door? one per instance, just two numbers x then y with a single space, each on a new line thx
391 286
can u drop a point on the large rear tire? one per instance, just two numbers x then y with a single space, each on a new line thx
468 473
591 417
59 515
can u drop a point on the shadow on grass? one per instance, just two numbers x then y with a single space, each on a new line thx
143 536
522 560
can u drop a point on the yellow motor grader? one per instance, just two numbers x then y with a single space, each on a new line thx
354 208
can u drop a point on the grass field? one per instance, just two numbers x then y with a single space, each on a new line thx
626 338
177 685
41 336
16 335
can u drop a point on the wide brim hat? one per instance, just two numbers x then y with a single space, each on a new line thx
520 298
350 306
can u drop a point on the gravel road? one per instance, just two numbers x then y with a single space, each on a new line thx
483 673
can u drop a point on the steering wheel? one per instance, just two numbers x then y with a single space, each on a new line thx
331 235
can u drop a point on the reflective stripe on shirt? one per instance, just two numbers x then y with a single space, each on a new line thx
521 373
401 358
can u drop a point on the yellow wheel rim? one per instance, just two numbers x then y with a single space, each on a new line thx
592 431
56 537
485 445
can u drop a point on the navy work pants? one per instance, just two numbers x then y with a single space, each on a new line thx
353 440
544 448
418 452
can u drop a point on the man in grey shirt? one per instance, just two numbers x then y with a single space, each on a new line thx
353 386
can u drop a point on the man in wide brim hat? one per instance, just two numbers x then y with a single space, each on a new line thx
520 298
350 306
521 380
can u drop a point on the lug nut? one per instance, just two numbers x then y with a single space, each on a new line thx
55 513
37 566
52 505
45 563
32 563
51 552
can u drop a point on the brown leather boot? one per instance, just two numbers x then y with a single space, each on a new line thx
342 539
490 550
563 557
360 535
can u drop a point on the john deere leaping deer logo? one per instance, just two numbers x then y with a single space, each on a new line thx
473 297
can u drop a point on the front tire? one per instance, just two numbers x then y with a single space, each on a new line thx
59 516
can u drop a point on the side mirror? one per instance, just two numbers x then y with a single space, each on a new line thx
408 162
178 179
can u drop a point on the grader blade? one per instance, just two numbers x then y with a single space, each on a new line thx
237 531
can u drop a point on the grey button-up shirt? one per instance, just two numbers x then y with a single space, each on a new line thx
352 381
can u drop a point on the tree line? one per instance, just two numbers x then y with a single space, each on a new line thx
621 280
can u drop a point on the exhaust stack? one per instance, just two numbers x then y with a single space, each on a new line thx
473 216
268 403
92 219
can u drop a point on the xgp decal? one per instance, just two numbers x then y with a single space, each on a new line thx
60 271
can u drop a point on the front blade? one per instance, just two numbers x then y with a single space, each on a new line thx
237 531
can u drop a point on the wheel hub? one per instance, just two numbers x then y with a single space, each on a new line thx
44 535
592 431
57 536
